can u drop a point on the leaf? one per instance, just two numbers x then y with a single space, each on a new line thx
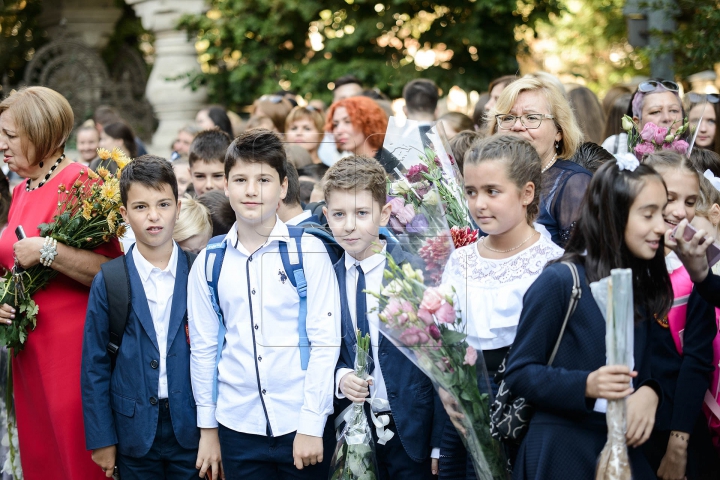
452 337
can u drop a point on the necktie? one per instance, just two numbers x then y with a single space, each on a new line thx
361 310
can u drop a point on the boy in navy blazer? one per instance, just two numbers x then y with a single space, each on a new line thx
140 416
355 194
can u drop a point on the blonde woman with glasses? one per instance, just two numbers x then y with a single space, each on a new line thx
534 109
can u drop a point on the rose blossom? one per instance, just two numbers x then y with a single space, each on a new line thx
432 299
648 132
433 331
405 214
660 135
446 313
425 316
680 146
470 356
414 336
645 148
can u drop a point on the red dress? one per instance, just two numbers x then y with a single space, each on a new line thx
46 374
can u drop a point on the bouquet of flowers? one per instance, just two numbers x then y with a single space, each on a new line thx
653 138
614 296
88 215
423 323
354 457
426 195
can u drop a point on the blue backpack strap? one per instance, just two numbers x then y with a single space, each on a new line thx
214 256
292 258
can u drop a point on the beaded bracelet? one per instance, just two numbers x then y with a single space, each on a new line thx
48 252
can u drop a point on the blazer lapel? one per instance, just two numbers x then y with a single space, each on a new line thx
139 301
178 309
345 317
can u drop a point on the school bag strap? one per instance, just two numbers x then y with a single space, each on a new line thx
214 256
292 259
117 287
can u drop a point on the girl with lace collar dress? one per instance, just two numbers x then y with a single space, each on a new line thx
502 178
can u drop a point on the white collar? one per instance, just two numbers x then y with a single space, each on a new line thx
279 232
672 262
369 263
145 268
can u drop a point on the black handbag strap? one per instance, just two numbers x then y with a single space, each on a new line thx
574 298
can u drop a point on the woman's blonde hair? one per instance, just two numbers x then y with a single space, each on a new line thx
709 195
557 104
312 113
42 117
194 220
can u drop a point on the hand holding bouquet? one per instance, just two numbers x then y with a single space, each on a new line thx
88 215
354 457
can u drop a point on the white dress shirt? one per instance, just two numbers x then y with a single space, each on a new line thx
159 286
373 267
260 380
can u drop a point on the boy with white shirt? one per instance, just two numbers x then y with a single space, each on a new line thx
257 401
139 413
355 193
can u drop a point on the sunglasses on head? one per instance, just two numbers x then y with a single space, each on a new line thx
271 98
652 85
703 97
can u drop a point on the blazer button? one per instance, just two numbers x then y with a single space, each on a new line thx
256 326
263 391
253 291
154 364
153 401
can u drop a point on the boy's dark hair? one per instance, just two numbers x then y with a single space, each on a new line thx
148 170
421 95
257 146
347 80
306 189
209 146
105 115
703 159
221 212
123 131
591 156
461 143
357 172
293 190
598 239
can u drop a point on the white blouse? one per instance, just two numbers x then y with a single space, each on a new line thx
490 292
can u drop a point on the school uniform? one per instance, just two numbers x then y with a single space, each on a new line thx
263 396
145 404
684 378
709 289
400 390
567 431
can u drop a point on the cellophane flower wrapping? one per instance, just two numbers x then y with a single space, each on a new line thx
430 219
614 296
88 215
354 456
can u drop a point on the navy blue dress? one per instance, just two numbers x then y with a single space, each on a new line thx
562 192
565 436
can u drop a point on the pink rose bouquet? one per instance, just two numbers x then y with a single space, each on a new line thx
653 138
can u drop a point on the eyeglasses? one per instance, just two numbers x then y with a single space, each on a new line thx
703 97
529 121
271 98
652 85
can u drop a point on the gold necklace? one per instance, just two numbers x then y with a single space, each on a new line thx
552 162
482 240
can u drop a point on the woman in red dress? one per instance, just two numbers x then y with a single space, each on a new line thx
35 122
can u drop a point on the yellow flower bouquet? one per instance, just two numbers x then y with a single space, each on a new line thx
88 215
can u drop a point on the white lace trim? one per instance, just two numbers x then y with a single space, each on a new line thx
466 263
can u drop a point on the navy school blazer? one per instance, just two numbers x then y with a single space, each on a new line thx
416 408
120 406
709 289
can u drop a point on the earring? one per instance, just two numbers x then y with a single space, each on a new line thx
556 145
41 164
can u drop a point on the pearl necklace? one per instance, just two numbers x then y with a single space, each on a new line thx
44 180
482 241
552 162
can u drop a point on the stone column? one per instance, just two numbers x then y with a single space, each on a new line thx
89 21
174 102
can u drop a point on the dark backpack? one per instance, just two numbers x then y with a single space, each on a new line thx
117 286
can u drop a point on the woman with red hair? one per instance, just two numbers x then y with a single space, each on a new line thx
358 125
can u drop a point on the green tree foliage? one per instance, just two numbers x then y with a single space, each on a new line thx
694 43
251 47
19 37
